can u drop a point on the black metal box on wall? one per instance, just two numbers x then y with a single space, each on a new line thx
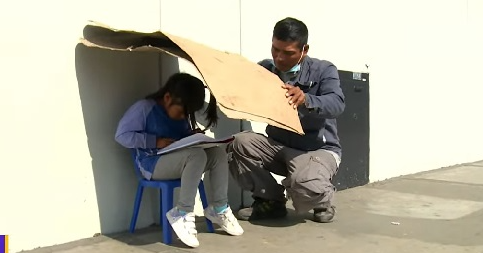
353 127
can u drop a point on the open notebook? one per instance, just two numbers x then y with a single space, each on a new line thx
195 140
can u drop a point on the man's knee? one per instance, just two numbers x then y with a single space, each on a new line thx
243 142
241 139
238 150
310 184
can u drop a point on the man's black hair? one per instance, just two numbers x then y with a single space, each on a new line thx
290 30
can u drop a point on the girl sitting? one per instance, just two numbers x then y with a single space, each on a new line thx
167 116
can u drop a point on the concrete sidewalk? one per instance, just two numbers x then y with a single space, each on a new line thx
436 211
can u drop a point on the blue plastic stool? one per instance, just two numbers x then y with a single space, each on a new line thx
166 190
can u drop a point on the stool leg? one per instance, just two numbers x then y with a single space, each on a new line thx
166 205
137 205
204 201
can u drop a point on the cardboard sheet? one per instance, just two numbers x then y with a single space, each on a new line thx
243 89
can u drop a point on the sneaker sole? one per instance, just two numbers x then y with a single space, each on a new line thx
323 221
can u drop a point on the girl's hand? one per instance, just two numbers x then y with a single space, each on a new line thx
163 142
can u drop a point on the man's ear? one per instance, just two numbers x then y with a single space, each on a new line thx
305 49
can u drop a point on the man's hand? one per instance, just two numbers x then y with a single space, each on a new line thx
295 95
163 142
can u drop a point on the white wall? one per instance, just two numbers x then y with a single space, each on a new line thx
62 174
60 102
423 58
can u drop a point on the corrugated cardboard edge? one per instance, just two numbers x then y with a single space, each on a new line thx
175 50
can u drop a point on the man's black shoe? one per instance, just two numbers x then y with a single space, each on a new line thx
324 215
263 209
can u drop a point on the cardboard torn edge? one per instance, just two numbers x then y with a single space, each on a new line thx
180 54
249 116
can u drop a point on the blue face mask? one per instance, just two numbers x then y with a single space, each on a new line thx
295 68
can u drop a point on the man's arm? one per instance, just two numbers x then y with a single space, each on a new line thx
330 104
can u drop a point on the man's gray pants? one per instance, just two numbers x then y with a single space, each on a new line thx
308 174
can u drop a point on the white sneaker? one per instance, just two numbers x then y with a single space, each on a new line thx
226 220
184 226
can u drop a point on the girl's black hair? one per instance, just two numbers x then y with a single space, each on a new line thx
189 92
